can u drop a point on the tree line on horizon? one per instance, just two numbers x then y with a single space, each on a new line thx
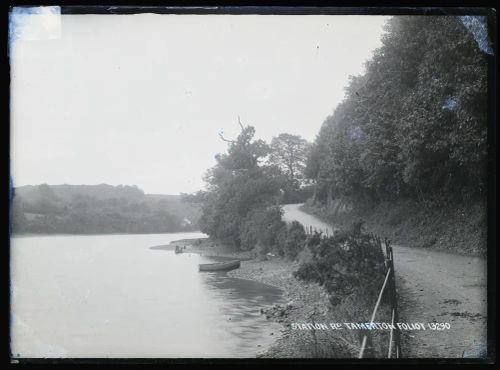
98 209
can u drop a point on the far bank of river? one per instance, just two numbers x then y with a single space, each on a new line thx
305 302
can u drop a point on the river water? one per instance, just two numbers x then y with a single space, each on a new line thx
112 296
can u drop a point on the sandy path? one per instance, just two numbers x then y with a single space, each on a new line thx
433 287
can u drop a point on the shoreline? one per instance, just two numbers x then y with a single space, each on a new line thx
304 301
22 235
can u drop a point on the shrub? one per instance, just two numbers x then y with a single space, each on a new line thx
295 239
264 229
349 262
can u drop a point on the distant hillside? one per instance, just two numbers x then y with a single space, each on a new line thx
96 209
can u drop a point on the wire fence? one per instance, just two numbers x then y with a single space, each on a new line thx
325 231
389 286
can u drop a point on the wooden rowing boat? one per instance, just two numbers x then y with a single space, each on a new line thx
219 266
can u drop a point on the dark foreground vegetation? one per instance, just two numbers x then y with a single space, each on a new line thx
349 262
350 266
95 209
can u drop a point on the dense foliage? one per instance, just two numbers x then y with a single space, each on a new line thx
289 153
244 189
349 262
237 186
294 241
415 124
86 209
263 228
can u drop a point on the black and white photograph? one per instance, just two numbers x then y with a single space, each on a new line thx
250 183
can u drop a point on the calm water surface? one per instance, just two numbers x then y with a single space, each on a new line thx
113 296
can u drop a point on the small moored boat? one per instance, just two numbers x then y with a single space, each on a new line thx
179 249
219 266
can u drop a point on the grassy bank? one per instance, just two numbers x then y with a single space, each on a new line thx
306 303
454 228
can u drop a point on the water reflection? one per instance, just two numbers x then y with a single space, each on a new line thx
112 296
240 302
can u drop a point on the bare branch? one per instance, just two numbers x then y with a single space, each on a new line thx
224 139
232 141
241 124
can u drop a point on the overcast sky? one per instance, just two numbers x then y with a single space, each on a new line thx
140 99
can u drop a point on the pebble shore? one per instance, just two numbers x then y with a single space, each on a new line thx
305 301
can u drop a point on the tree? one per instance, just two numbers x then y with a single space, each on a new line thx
239 184
289 153
414 125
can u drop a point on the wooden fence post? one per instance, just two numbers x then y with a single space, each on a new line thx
397 336
390 289
368 348
390 284
393 299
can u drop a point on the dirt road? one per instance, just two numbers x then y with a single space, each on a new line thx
433 287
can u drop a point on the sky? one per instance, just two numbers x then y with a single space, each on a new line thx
140 99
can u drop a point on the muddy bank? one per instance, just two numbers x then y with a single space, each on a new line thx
306 302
